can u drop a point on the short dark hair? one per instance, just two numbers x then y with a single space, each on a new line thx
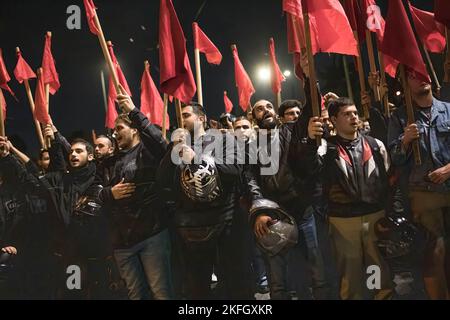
125 119
41 153
89 147
334 106
288 104
197 108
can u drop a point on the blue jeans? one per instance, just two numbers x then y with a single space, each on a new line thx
145 267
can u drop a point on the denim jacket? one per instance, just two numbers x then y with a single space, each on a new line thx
434 144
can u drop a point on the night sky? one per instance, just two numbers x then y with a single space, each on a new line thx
79 106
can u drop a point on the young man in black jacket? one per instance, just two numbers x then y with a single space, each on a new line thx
140 236
203 189
353 168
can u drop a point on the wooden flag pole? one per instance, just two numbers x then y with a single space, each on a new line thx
2 119
198 74
374 76
433 71
31 102
102 81
104 46
39 73
362 81
383 85
312 70
94 136
347 78
164 130
447 58
278 104
179 115
410 112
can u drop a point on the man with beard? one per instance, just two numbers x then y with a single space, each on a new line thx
429 182
290 111
105 149
203 190
140 237
288 187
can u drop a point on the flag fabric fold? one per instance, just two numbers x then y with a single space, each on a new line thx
399 43
227 102
40 102
205 45
48 65
176 78
90 15
276 74
430 32
152 106
4 75
243 83
23 71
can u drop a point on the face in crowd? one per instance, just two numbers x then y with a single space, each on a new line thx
418 87
103 147
193 118
124 134
346 120
80 154
291 115
264 114
242 129
44 160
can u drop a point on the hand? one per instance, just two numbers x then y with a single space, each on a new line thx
374 79
10 250
124 100
187 154
48 132
123 190
261 228
179 136
365 98
315 128
439 176
4 147
330 96
411 134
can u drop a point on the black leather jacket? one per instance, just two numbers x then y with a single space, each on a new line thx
138 217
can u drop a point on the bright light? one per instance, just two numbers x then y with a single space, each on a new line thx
398 93
264 74
287 73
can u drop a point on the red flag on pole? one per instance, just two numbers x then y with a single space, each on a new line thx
355 16
40 101
293 7
243 83
176 77
399 43
23 71
111 112
3 105
227 102
374 20
4 75
442 12
294 34
152 106
90 14
48 65
203 44
430 32
277 75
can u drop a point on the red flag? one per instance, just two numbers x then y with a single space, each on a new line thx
48 65
243 82
203 44
277 75
330 29
90 14
227 102
430 32
374 20
356 18
152 106
111 112
40 102
4 75
399 44
442 12
176 77
23 71
295 37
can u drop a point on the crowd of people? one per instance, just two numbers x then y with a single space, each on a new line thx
352 217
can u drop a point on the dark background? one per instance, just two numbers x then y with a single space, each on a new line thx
78 106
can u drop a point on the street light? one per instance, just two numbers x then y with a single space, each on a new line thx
264 74
287 73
